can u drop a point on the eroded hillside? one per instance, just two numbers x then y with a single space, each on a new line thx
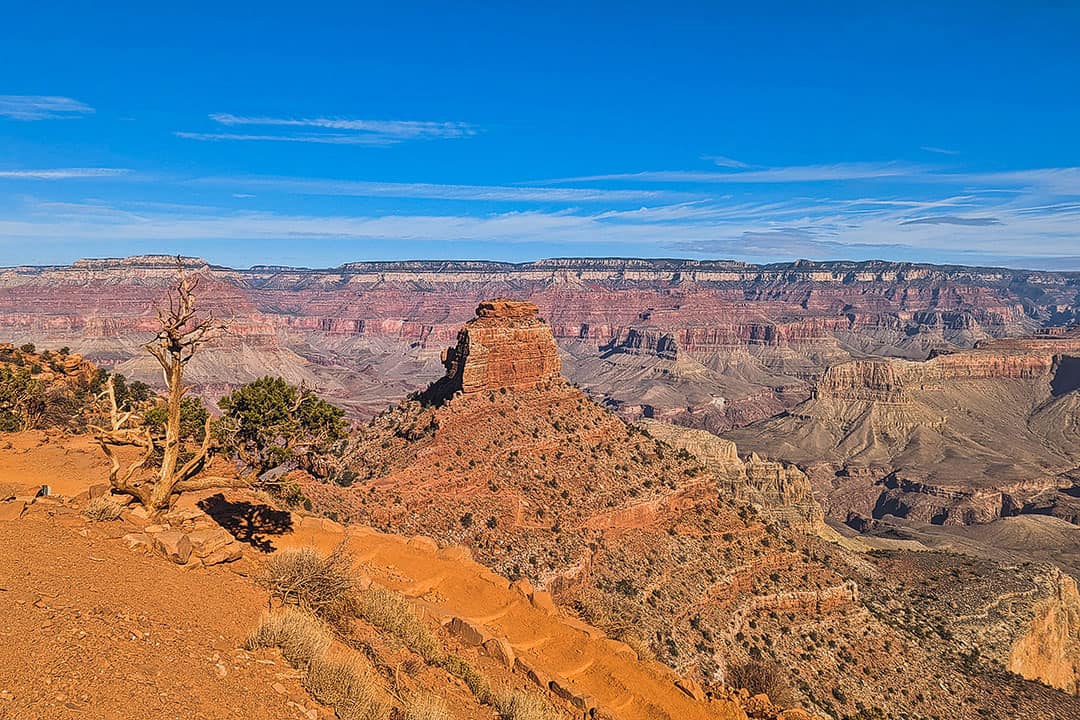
684 558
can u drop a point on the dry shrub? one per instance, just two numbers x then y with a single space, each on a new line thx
318 584
760 677
523 705
423 706
300 636
344 682
102 509
390 611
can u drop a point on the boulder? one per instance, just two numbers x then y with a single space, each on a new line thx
137 541
174 545
690 687
500 650
542 600
227 553
466 631
207 541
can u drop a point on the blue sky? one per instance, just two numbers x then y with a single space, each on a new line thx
319 134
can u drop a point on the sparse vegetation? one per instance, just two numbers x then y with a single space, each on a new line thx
322 585
424 706
520 705
102 509
344 682
300 636
340 679
391 612
760 677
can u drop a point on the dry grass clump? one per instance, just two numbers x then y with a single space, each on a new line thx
525 705
321 585
391 612
423 706
475 680
300 636
102 509
344 682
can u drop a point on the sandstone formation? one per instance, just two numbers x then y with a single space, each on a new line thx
505 346
778 490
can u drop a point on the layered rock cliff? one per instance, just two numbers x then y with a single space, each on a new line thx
962 438
505 346
722 343
778 490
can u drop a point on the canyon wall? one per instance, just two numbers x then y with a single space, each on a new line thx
723 343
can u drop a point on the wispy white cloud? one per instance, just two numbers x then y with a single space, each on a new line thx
63 173
41 107
395 128
330 131
792 174
434 191
938 150
716 228
321 138
727 162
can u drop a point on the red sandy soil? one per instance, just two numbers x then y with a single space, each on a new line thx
91 629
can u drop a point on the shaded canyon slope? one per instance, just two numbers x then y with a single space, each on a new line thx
961 439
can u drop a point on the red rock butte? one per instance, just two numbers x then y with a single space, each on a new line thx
506 345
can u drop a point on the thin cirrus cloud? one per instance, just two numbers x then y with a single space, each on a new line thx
953 220
435 191
727 162
939 150
329 131
63 173
790 174
42 107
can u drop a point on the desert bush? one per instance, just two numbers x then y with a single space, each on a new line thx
102 509
23 400
760 677
423 706
342 681
269 422
300 636
323 585
391 612
519 705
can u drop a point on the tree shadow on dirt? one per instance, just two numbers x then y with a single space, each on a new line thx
248 522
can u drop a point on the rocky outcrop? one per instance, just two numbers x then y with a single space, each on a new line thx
779 490
506 346
1049 650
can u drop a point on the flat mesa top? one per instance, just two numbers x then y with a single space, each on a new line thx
505 308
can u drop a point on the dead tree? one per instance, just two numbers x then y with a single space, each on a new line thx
183 332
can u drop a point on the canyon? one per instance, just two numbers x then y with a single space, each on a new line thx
713 344
711 462
668 540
